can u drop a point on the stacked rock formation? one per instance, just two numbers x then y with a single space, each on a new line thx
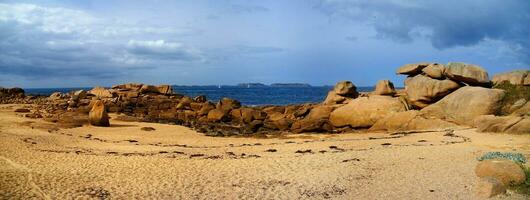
436 97
429 82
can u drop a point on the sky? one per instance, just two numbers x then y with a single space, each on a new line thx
71 43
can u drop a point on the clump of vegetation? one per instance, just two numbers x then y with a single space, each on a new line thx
518 158
513 94
523 188
515 157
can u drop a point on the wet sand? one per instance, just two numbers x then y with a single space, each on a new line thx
174 162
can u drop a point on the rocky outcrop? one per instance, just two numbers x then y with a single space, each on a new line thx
363 112
412 69
57 95
519 77
422 90
98 114
101 92
217 115
470 74
346 89
465 104
508 124
227 104
333 98
384 87
11 92
316 121
341 93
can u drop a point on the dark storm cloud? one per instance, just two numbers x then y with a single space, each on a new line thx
446 24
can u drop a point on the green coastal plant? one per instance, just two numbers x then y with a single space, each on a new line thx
523 188
518 158
515 157
512 94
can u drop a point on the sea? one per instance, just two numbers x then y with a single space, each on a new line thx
250 96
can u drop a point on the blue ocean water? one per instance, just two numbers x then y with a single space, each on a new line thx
247 96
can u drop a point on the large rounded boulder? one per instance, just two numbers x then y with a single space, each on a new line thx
345 89
365 111
434 70
465 104
514 77
506 171
470 74
315 121
384 87
422 90
98 114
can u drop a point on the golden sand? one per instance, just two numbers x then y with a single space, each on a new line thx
174 162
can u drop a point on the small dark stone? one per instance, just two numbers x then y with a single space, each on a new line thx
304 151
147 129
22 110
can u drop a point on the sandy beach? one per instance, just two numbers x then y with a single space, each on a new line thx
40 161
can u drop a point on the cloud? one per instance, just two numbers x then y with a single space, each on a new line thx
39 42
161 49
446 24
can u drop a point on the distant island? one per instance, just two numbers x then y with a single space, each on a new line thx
290 85
251 85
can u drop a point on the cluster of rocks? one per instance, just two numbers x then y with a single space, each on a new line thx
436 97
16 96
496 175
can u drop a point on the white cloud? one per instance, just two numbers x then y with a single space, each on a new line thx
55 40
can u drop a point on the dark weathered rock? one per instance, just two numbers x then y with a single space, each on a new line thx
346 89
200 99
227 104
217 115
